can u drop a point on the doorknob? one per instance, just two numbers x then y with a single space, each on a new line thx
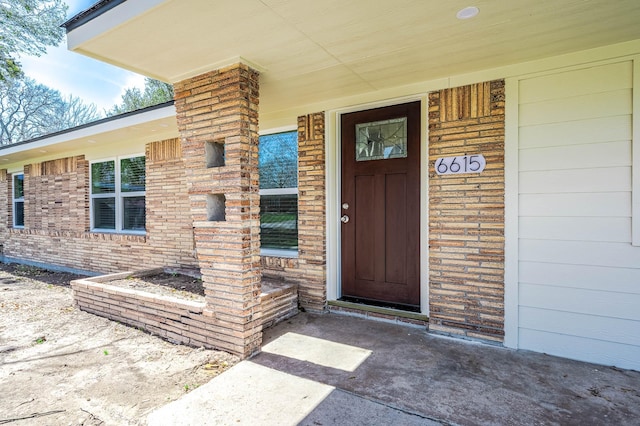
344 219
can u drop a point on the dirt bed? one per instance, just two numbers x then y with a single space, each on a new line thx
165 284
61 366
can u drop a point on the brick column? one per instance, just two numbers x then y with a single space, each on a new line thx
466 213
312 290
217 115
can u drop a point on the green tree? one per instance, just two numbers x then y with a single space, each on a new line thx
155 92
28 27
29 110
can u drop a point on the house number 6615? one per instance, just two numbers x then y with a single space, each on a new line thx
462 164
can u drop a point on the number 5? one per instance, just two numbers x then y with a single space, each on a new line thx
472 161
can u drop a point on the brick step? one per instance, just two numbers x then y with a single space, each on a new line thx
279 300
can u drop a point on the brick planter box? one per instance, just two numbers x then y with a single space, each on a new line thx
172 318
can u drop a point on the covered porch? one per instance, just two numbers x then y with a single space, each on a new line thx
488 80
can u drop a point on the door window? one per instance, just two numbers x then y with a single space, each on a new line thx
381 140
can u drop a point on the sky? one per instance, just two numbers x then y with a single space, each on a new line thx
74 74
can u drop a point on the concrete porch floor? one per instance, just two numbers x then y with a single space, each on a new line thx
339 370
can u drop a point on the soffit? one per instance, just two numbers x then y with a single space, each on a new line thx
309 51
131 132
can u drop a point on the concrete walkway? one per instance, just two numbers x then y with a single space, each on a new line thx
339 370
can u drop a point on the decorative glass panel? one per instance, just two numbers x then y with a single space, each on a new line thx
278 160
279 221
104 213
381 140
103 177
132 174
133 214
18 186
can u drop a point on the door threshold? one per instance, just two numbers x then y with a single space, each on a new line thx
381 304
379 312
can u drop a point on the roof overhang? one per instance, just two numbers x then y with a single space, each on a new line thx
309 51
142 126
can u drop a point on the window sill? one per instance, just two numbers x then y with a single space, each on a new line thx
112 232
101 235
269 252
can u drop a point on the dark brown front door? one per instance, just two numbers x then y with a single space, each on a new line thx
380 205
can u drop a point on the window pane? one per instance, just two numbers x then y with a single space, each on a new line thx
278 160
104 213
381 140
18 214
103 178
132 174
133 214
18 186
279 221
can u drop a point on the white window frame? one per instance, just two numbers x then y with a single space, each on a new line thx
16 200
118 194
272 252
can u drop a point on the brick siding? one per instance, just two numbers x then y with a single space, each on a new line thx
56 195
169 225
57 218
5 219
466 213
281 268
311 219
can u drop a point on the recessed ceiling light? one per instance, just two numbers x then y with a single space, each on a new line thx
43 150
467 12
91 141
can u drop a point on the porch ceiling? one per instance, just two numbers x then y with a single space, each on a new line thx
309 50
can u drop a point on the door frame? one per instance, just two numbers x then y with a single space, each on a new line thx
333 173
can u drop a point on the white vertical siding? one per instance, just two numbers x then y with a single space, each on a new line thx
579 275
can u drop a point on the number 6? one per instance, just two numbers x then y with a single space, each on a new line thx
453 163
441 164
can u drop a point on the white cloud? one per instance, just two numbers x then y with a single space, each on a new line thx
71 73
132 80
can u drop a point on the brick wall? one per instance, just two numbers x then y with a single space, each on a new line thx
218 111
4 208
466 213
57 218
311 205
281 268
56 195
172 318
180 321
169 225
